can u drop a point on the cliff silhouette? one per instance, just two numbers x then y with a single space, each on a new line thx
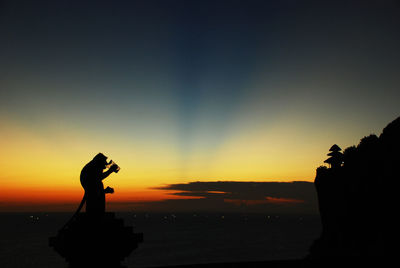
356 198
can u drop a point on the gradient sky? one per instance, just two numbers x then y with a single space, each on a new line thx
182 91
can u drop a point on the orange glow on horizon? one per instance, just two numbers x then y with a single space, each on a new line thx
267 200
47 198
277 200
42 166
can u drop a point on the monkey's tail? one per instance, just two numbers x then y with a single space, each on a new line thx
76 212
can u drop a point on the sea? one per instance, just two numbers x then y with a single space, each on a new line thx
169 239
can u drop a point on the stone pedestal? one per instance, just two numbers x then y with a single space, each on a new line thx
88 242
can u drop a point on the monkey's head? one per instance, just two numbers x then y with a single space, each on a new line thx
100 161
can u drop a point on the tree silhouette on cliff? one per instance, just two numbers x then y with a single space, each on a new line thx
336 157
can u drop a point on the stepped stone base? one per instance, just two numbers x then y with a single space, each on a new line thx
88 242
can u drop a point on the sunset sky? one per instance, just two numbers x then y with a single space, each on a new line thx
183 91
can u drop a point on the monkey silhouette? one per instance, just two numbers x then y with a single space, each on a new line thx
91 178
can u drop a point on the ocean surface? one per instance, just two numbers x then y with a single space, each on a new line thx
169 239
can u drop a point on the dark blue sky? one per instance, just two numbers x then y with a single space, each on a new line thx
200 75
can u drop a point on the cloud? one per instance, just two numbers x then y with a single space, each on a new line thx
229 196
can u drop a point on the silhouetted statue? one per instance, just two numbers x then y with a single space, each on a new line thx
95 238
92 177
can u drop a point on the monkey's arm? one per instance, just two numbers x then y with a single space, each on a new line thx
112 169
106 174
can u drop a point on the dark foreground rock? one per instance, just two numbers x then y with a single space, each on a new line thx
88 242
357 199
